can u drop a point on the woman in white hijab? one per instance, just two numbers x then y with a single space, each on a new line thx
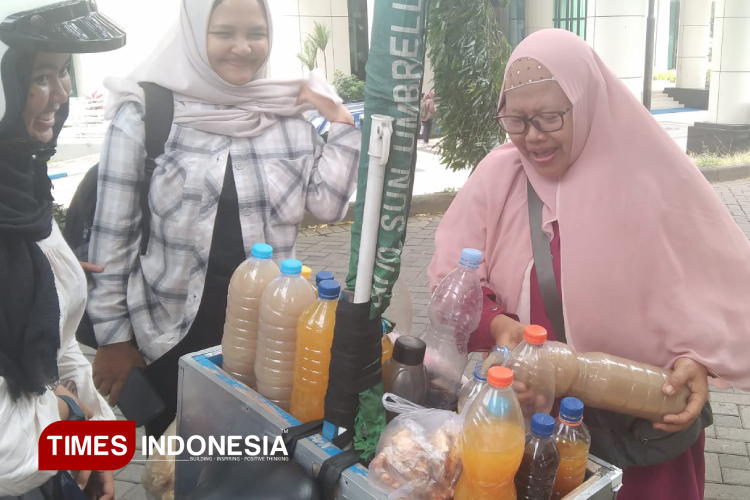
240 167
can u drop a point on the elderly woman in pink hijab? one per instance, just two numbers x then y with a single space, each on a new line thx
648 263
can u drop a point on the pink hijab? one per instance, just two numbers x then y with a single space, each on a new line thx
653 266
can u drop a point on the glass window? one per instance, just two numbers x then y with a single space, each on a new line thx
571 15
358 45
516 21
674 25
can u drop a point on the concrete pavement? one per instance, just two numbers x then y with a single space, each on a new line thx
727 441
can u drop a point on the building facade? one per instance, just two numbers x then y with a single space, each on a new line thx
692 36
147 22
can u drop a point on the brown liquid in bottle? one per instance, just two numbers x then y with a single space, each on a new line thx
615 384
248 283
284 300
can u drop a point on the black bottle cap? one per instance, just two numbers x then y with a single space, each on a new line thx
409 350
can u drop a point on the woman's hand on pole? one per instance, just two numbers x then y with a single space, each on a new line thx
332 111
695 376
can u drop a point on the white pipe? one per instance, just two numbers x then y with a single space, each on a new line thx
380 147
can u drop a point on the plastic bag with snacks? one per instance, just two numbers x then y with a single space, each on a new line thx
158 474
418 453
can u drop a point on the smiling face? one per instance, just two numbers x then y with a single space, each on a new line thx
237 42
49 89
549 152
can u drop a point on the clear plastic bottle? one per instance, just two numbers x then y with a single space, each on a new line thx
404 374
533 373
536 476
313 353
471 388
401 309
456 304
453 314
246 287
492 441
615 384
280 308
573 442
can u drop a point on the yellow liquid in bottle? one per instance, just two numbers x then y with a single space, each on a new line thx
491 454
312 359
574 457
387 349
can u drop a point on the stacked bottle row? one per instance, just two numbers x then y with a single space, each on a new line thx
264 306
500 461
279 330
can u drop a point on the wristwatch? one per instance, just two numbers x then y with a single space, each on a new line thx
75 411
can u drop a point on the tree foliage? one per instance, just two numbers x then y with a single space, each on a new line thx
468 53
320 37
309 54
349 87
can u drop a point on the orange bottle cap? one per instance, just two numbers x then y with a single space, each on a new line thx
500 376
535 334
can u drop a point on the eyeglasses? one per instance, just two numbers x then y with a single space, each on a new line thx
549 121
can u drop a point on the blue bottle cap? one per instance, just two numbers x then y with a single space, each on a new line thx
542 425
329 289
291 267
571 409
478 372
471 257
262 251
322 276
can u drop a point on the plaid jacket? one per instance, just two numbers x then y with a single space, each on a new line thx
279 174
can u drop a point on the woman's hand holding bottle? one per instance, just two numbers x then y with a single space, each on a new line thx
695 376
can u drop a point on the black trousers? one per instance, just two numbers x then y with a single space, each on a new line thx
227 252
427 129
50 490
163 373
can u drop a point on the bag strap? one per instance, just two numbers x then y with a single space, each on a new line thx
293 434
545 273
159 114
331 470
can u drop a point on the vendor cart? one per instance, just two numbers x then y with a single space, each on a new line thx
212 403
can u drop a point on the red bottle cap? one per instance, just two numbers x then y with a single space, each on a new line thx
535 334
500 376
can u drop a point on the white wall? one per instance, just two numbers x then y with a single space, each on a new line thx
539 15
616 29
145 23
729 95
293 20
692 50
